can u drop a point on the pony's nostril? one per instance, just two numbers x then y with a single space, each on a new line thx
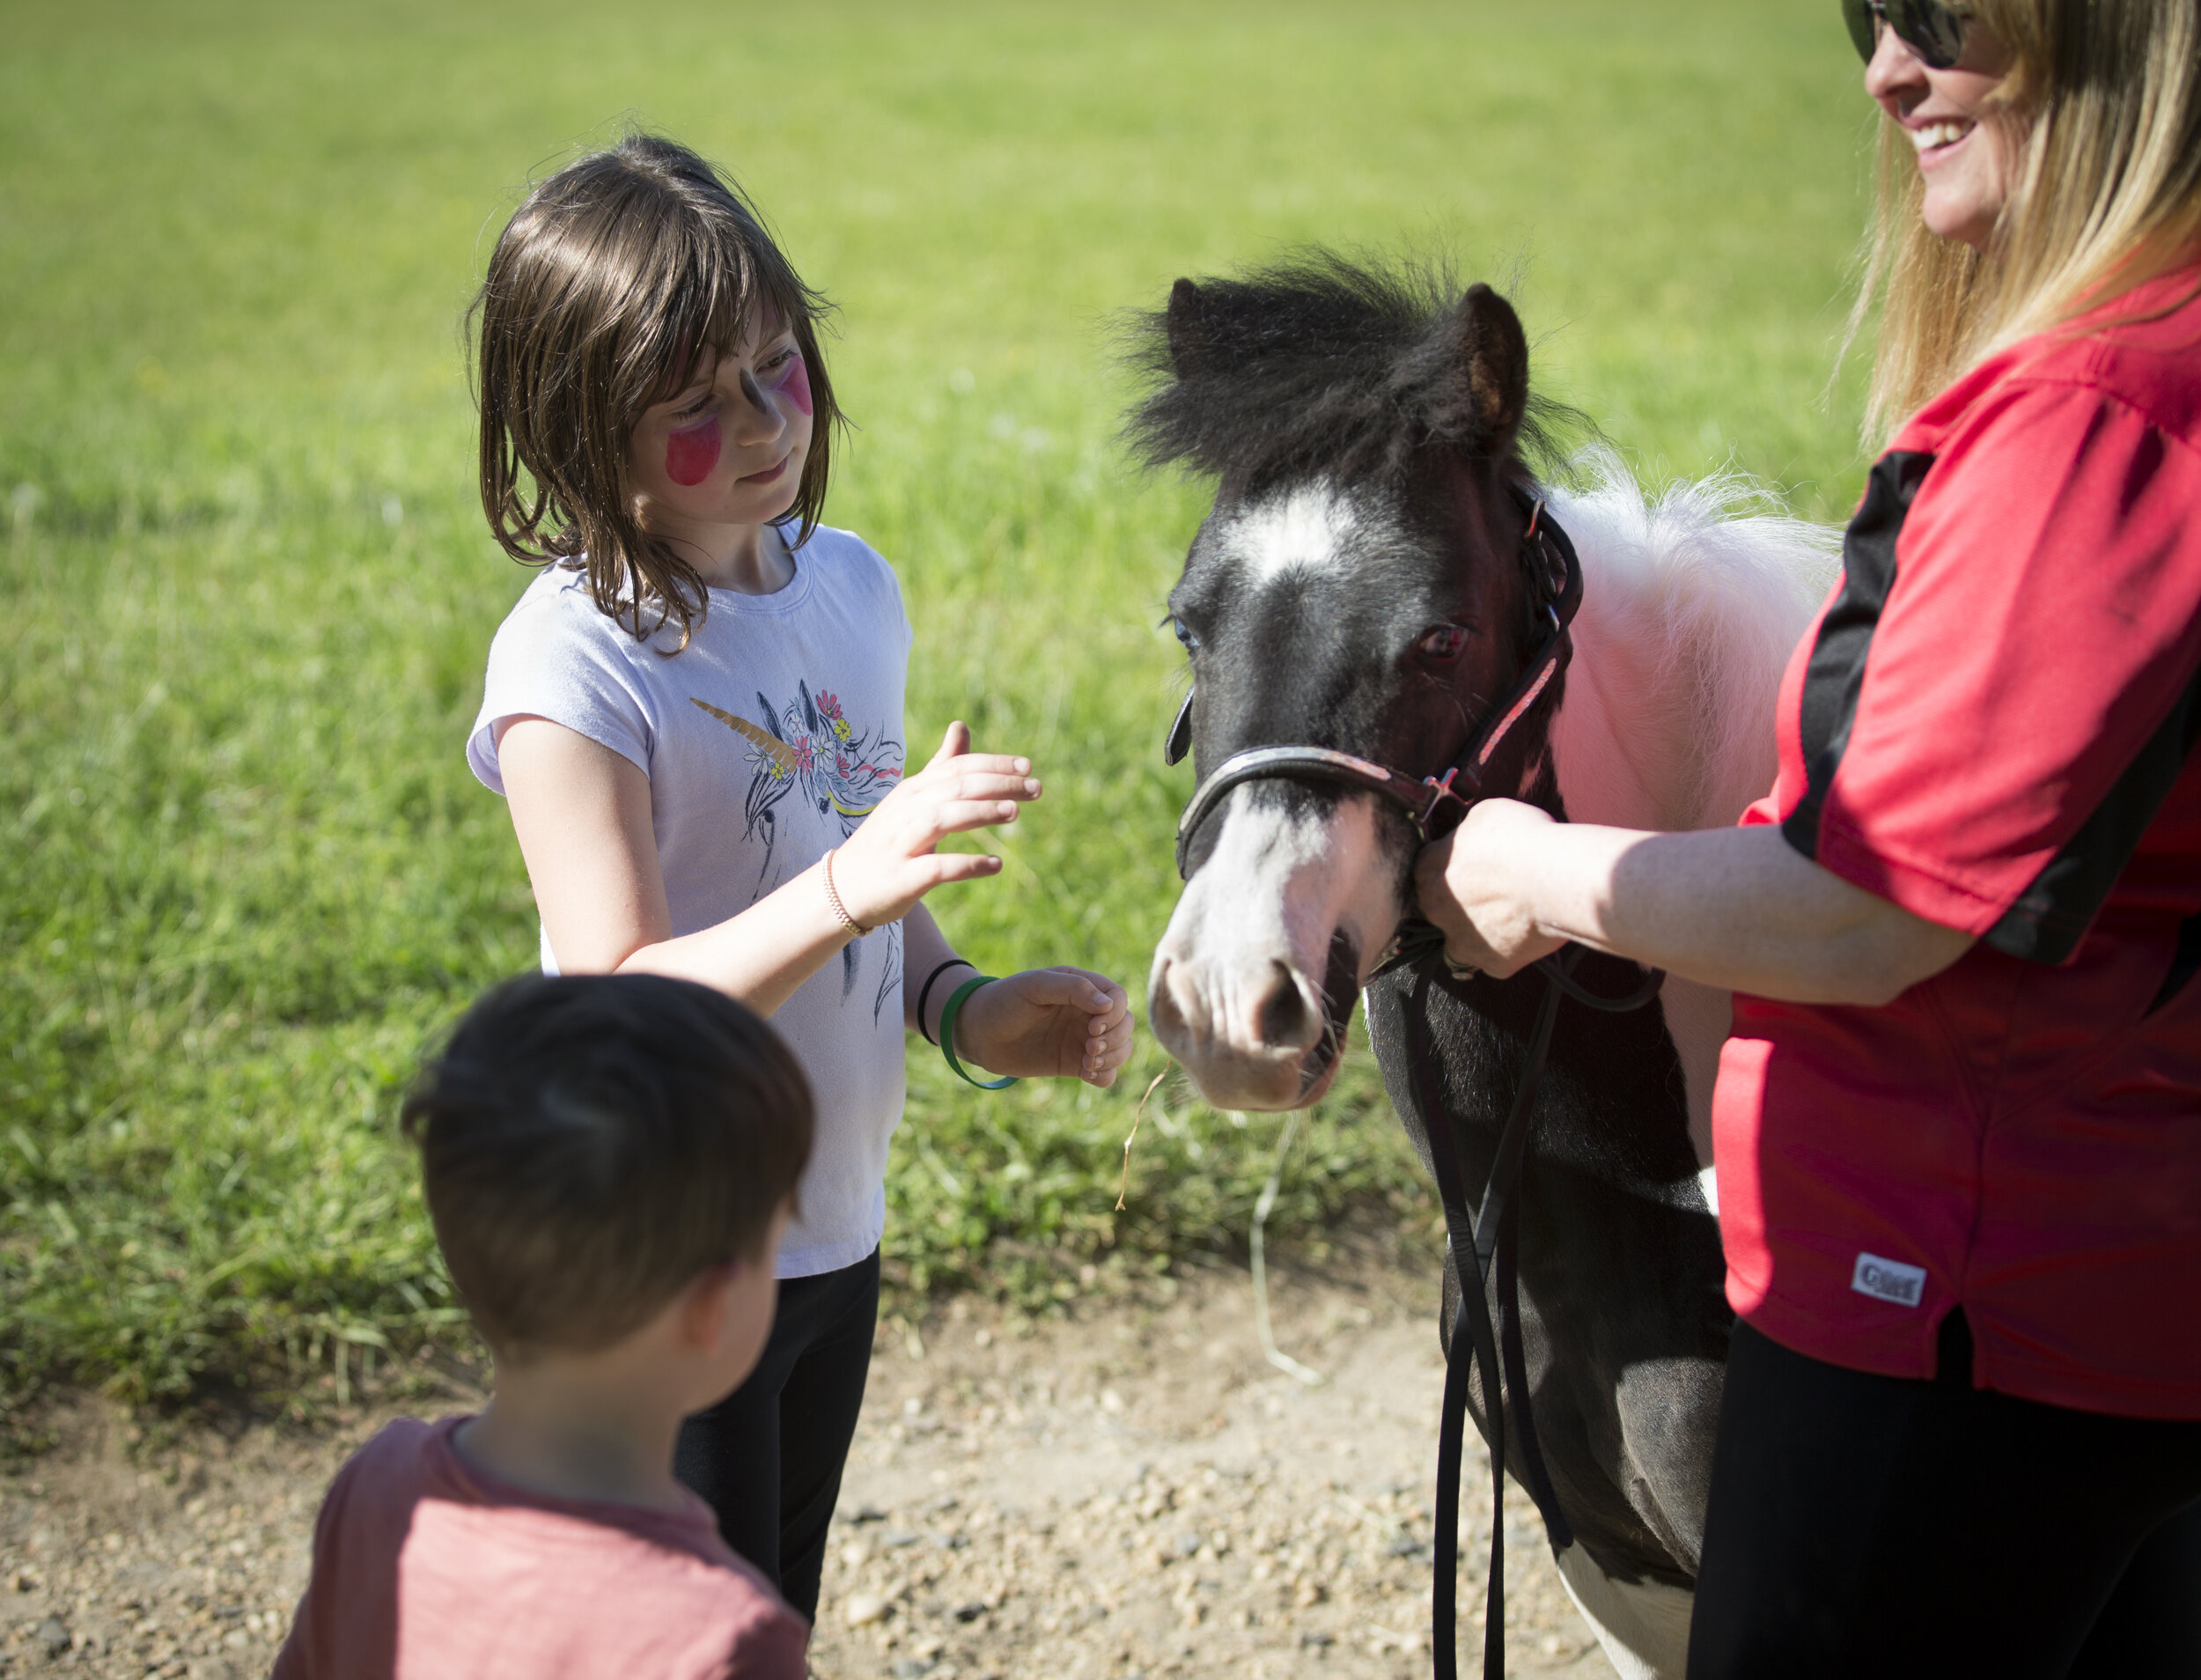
1173 1009
1161 1007
1283 1017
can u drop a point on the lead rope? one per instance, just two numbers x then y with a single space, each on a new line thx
1491 1240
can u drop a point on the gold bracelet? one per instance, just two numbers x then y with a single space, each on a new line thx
840 910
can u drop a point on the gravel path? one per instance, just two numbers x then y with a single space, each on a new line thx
1129 1491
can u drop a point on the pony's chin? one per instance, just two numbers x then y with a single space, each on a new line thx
1266 1090
1263 1082
1318 1079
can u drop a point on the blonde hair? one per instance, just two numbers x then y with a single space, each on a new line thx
2104 99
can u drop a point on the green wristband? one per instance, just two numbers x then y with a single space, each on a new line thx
949 1010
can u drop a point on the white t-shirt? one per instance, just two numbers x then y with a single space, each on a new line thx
765 741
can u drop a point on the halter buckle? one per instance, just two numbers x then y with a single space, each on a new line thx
1440 789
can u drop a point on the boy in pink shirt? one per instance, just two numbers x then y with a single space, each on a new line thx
609 1160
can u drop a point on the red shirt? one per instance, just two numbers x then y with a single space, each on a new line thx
425 1569
1991 725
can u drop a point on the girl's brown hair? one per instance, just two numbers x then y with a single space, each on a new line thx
2105 98
609 282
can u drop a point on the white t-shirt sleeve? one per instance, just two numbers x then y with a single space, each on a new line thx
558 657
901 605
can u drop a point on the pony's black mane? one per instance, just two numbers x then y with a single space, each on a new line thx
1318 366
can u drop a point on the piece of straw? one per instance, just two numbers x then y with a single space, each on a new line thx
1138 1114
1275 1356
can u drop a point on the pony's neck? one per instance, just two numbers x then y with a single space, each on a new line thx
1691 606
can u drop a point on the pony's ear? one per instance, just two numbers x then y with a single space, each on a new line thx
1187 325
1495 353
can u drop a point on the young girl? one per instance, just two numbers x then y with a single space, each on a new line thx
695 715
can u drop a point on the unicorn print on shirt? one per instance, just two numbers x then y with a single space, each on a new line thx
806 748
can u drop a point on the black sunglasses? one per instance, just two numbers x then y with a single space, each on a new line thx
1931 30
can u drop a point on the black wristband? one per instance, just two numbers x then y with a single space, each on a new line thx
925 991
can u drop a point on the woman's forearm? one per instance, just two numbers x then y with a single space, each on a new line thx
1738 909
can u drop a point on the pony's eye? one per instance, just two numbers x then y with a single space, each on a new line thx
1442 644
1184 634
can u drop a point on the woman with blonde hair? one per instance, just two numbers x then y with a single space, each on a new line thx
1958 1121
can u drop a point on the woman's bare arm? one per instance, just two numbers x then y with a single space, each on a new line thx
1738 909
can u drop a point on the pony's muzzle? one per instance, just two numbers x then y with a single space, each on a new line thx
1244 1037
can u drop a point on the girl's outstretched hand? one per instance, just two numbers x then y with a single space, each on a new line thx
1048 1022
890 863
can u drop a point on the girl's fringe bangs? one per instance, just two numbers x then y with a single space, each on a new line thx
713 290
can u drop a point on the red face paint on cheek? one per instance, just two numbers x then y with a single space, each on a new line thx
794 384
689 455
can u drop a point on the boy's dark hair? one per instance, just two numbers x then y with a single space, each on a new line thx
589 1143
610 280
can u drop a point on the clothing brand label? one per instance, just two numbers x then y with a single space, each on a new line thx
1889 1280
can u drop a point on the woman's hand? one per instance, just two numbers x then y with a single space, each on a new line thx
890 863
1048 1022
1473 885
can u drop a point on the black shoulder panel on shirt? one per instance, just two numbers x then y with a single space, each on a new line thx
1836 671
2050 916
2185 963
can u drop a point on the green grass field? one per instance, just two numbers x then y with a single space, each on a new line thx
246 590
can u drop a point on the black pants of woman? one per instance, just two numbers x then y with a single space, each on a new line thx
768 1458
1868 1525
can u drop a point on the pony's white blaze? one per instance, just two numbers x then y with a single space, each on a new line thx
1309 528
1236 994
1691 605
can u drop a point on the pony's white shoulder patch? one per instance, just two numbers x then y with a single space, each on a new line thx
1309 528
1691 604
1643 1625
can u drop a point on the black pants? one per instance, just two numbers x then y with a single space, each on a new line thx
1870 1525
769 1457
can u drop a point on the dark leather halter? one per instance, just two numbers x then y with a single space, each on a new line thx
1485 1244
1435 804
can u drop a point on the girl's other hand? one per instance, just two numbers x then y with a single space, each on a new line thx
1048 1022
891 862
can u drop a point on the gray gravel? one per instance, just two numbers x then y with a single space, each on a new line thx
1129 1491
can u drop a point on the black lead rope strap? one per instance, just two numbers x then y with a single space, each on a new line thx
1562 976
1473 1322
1485 1258
1474 1266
